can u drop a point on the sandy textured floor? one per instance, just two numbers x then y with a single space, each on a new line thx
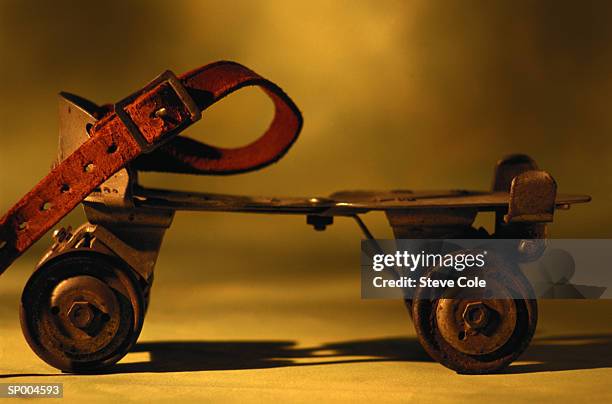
253 330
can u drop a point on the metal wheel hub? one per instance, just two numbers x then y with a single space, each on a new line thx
86 310
476 326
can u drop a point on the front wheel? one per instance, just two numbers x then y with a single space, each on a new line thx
478 335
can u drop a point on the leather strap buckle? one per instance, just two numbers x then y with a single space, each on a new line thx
182 94
138 126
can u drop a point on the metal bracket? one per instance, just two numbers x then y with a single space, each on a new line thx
532 198
139 249
76 115
116 225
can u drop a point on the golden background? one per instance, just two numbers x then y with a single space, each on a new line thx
395 94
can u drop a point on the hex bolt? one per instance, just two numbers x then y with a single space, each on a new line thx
62 234
319 222
476 315
58 234
81 314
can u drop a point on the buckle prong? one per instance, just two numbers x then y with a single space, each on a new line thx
182 94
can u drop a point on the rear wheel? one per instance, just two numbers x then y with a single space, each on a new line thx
82 311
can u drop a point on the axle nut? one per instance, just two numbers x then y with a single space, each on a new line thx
81 315
476 315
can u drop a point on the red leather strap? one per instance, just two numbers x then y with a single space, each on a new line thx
206 86
113 144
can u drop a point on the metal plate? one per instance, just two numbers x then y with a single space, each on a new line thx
337 204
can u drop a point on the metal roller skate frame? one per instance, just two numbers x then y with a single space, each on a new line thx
94 314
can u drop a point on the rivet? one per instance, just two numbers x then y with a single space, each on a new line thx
161 113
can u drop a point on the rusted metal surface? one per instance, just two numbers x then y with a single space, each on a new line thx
532 198
477 315
476 327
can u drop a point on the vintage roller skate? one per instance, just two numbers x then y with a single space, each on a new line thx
84 306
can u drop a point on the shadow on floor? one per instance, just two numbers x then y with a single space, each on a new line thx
570 352
547 354
198 356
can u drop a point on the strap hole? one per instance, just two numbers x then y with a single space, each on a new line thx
88 128
112 148
65 188
46 206
89 167
2 244
22 226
